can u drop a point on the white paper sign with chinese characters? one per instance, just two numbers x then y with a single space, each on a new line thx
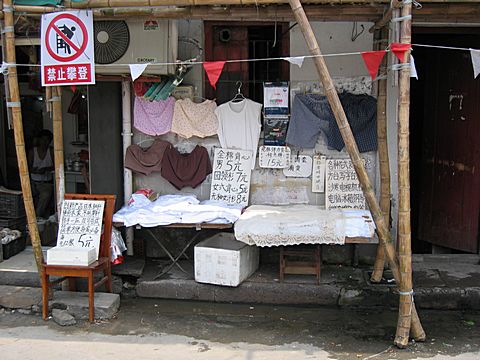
300 166
231 176
274 157
343 189
318 173
81 224
67 48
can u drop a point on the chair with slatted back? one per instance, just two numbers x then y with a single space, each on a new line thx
71 272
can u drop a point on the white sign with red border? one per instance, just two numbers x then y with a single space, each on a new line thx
67 48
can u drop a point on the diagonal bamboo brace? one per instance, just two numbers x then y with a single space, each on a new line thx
352 149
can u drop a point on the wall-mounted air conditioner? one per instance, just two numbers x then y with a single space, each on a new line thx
119 43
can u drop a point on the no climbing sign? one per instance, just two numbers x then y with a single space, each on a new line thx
67 48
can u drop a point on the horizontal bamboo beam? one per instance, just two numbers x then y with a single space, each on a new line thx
449 13
91 4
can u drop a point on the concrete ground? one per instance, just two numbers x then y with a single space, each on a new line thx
440 282
167 329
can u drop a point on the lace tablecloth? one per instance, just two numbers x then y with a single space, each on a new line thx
265 225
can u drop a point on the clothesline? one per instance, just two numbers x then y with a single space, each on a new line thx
252 60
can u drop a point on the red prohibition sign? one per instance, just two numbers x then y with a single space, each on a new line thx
77 50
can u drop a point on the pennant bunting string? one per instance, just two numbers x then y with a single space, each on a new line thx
372 60
213 70
399 50
475 55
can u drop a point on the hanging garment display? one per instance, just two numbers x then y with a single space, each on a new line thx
239 125
191 119
183 170
153 118
311 115
145 161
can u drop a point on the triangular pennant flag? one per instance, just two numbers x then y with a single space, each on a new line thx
295 60
372 60
213 70
137 69
475 54
399 50
413 69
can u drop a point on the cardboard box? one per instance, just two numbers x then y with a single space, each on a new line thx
222 260
71 256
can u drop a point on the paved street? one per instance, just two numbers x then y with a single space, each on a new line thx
157 329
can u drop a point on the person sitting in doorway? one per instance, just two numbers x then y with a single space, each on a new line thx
40 163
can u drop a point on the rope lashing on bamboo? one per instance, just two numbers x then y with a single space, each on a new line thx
401 18
7 8
14 104
406 293
55 98
8 29
401 66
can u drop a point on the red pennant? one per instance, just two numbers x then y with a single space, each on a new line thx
372 60
213 70
73 88
399 50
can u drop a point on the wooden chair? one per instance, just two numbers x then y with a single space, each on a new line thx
71 272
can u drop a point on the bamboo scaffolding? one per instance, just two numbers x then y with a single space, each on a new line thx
56 99
383 158
352 149
12 80
404 226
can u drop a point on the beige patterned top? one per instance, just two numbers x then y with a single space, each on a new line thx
192 119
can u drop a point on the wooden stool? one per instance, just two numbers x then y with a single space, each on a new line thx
307 260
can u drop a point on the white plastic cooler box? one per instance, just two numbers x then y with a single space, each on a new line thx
222 260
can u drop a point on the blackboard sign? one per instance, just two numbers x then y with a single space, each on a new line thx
231 176
81 224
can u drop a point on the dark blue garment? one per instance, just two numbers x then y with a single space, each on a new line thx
311 115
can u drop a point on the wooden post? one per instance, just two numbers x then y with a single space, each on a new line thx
404 227
56 99
352 149
383 159
14 104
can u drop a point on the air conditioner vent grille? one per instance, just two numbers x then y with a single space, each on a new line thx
112 39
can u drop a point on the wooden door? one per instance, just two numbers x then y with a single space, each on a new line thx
227 42
450 172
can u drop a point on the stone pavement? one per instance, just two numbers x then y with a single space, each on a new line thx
440 282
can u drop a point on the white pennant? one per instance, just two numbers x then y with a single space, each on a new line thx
137 69
295 60
475 54
413 69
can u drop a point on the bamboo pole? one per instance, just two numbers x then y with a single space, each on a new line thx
12 79
404 226
395 4
56 99
352 149
383 159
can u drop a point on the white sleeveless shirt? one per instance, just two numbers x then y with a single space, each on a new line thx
40 164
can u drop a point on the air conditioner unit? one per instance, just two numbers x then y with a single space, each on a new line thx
119 43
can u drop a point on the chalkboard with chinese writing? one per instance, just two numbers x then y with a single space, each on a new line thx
343 189
274 157
81 224
231 176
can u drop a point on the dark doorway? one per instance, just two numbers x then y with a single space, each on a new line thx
231 41
445 151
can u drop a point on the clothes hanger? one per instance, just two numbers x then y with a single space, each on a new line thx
239 96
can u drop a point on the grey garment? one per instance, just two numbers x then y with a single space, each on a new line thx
311 115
